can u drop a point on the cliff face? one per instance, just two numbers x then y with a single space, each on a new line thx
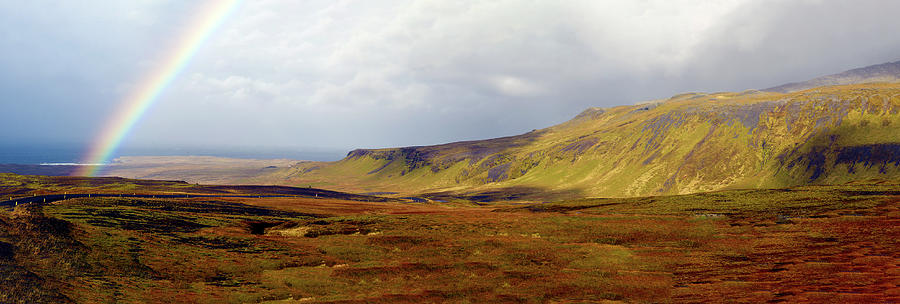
689 143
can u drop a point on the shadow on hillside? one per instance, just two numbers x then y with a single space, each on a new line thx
119 185
519 193
825 158
440 157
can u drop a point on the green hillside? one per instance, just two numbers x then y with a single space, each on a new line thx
688 143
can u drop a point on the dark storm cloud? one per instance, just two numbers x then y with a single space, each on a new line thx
389 73
766 43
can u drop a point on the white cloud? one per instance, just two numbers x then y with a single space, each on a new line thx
514 86
350 52
461 63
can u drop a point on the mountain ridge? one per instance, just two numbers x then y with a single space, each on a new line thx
885 72
690 142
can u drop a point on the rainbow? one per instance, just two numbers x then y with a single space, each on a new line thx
133 107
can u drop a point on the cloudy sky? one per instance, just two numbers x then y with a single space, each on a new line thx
348 74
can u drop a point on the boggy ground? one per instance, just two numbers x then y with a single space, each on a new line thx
815 244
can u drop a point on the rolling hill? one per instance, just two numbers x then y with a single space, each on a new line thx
688 143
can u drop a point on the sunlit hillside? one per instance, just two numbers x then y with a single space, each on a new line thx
688 143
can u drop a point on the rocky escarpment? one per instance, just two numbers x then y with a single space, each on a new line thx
688 143
440 157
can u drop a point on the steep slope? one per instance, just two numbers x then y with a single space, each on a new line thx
688 143
885 72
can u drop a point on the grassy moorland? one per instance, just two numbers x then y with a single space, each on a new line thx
193 169
817 244
13 186
689 143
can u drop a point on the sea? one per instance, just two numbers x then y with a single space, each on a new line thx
68 154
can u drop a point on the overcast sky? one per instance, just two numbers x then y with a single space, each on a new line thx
354 74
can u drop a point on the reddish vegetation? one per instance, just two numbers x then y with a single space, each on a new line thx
344 207
826 244
832 259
